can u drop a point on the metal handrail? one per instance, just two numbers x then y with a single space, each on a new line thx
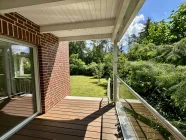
172 129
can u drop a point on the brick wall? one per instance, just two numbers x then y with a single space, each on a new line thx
54 73
53 57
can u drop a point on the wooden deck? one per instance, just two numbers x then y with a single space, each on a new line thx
13 111
73 119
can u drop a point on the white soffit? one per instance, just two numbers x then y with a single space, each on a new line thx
78 19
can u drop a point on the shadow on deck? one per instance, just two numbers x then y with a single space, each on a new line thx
73 119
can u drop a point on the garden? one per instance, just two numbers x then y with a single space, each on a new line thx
154 64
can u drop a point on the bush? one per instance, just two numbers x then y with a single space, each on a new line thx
90 69
162 85
77 66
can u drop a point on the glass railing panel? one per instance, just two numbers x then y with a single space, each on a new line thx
146 121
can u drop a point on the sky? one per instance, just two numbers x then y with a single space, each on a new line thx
159 9
156 10
17 49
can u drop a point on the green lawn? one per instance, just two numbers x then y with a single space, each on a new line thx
87 86
125 92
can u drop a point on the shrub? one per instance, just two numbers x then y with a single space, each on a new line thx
163 85
90 69
77 66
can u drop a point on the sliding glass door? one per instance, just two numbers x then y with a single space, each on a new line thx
17 85
3 88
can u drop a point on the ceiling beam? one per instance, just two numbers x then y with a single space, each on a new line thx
77 25
134 7
7 6
120 15
85 37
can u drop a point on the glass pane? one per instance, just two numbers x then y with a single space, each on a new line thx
17 68
22 70
146 125
2 75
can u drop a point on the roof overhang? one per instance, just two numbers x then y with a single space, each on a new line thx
78 19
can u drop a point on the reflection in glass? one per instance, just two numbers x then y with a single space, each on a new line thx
2 75
17 86
21 63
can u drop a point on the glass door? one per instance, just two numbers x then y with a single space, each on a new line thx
3 86
17 85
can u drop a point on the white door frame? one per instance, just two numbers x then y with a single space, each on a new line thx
37 85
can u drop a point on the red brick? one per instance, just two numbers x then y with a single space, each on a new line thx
6 19
35 26
27 36
27 25
20 35
11 17
5 28
24 35
20 21
10 29
15 32
30 34
34 32
20 25
34 38
20 17
1 29
29 22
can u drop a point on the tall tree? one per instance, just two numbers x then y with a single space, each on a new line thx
177 23
78 47
158 33
99 49
145 31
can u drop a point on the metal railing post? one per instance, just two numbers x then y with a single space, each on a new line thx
118 88
115 71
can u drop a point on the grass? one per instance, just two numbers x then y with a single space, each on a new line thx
87 86
125 93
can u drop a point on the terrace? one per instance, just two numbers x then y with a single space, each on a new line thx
35 100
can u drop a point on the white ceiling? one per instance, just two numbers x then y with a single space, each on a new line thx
78 18
83 11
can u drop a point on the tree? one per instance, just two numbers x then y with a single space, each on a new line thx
145 31
78 47
99 71
133 39
177 24
98 50
142 52
177 55
77 66
108 68
159 33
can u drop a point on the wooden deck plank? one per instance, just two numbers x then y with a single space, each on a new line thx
47 135
73 119
22 137
80 114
